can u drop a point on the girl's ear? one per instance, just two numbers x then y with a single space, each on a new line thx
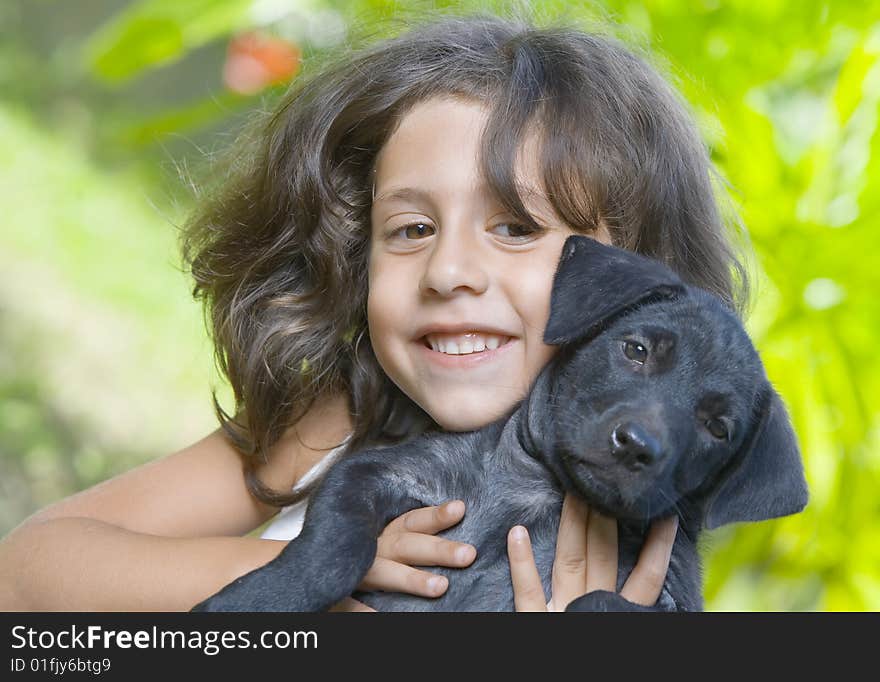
595 283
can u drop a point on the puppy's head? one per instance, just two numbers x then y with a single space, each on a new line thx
658 396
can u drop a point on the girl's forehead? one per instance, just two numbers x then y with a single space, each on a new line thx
445 164
400 185
453 125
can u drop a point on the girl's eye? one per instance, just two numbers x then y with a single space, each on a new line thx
517 231
413 231
635 351
717 428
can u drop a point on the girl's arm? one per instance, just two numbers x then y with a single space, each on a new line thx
162 536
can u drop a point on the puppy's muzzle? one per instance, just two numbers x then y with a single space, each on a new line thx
635 447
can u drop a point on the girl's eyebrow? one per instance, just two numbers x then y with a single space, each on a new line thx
405 194
417 193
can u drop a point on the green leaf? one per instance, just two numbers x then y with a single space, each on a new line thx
151 33
140 44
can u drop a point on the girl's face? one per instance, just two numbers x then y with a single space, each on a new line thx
458 295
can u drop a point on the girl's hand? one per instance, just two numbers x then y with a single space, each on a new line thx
586 560
410 540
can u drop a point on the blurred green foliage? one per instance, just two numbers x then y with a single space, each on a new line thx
107 113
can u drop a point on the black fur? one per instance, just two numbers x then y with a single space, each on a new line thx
690 427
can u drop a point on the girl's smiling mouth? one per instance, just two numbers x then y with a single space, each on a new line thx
465 351
463 344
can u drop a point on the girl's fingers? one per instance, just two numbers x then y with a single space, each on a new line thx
428 520
569 579
409 539
390 576
646 580
528 593
416 549
601 553
582 532
352 605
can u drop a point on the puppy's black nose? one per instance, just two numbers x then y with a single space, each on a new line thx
635 447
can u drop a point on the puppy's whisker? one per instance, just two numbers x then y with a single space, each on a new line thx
674 504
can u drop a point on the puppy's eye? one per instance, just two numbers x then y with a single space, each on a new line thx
717 428
635 351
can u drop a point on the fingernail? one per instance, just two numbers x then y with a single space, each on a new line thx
464 555
437 584
455 508
518 533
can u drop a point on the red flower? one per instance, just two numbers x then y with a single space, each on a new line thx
255 61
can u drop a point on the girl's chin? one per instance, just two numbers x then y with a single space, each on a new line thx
463 418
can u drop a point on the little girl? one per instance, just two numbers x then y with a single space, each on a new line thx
377 263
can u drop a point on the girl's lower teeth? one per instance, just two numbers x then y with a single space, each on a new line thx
473 352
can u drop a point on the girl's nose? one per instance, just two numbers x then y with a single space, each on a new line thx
455 263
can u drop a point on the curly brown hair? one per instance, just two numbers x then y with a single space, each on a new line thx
279 247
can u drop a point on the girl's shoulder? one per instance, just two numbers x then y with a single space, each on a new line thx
288 524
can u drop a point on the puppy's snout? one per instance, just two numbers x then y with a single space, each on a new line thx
634 446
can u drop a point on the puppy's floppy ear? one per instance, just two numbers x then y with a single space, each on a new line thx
766 478
595 283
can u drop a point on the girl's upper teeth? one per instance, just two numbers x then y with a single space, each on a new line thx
462 344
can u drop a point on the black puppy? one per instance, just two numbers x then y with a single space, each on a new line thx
656 404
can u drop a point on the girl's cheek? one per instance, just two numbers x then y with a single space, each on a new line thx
383 312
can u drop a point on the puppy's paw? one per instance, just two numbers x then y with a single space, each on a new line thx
267 588
213 604
601 600
248 593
